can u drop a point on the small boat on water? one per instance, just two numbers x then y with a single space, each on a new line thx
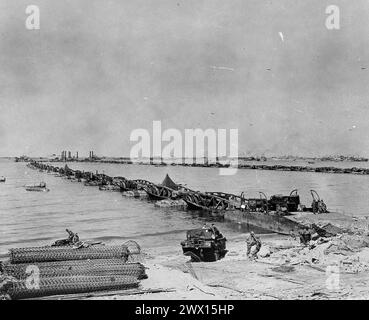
92 183
2 179
38 188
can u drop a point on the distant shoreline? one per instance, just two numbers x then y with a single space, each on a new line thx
242 164
334 158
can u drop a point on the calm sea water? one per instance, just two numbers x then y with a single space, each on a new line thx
32 218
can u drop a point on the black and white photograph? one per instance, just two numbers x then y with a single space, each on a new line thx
195 151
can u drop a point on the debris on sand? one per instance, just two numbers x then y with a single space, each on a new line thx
264 252
284 268
349 252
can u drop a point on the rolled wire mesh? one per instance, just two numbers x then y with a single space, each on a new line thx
135 252
69 285
68 264
133 247
44 254
103 267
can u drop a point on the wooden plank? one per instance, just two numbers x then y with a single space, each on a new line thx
86 295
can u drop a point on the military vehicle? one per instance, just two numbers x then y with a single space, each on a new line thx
205 244
290 203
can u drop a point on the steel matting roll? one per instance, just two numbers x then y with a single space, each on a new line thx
79 268
69 263
70 285
44 254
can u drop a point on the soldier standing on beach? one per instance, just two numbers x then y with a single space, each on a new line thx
253 245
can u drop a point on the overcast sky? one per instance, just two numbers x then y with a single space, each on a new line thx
98 69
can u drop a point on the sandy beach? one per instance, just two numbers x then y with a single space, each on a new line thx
325 268
286 274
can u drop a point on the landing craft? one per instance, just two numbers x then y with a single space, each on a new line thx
41 187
